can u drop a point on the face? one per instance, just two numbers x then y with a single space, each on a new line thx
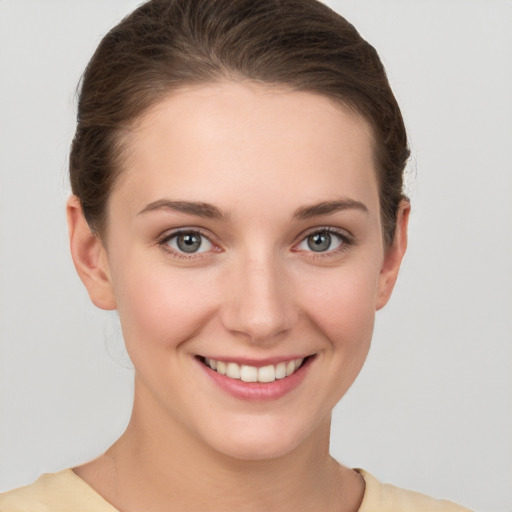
244 237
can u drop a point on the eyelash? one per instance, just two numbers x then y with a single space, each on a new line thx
344 238
183 255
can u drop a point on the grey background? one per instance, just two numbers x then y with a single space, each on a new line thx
432 408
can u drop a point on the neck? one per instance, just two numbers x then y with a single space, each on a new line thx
158 462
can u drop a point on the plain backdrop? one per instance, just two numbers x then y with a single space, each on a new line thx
431 410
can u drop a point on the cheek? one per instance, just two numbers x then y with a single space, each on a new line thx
161 307
341 304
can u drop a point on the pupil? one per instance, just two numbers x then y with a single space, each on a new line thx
319 242
189 242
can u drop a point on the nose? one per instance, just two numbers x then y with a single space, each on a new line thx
259 302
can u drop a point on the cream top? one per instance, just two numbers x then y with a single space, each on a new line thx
66 492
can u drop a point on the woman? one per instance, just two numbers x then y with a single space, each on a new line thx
237 176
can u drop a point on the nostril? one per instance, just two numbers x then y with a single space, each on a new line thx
260 302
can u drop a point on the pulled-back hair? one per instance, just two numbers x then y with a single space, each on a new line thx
167 44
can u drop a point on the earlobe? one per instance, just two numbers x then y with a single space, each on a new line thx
89 257
393 256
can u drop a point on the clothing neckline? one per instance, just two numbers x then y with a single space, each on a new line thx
98 497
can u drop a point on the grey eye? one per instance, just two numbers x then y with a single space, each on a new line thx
321 241
189 242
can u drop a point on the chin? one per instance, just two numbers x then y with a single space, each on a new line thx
258 449
253 439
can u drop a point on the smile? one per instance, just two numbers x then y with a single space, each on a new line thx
263 374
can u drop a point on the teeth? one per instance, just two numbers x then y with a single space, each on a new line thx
249 374
246 373
221 367
233 371
290 368
267 373
280 370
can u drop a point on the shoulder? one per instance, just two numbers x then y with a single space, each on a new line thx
380 497
54 492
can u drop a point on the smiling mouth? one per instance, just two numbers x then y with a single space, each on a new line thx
262 374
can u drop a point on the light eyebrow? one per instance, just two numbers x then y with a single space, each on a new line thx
199 209
328 207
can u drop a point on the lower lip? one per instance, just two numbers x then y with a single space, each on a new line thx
258 391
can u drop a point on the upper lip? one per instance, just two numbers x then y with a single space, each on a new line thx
258 363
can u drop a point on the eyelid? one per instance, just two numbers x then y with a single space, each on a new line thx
163 240
346 237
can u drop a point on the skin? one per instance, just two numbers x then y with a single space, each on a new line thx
258 155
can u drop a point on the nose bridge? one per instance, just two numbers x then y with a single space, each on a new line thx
260 301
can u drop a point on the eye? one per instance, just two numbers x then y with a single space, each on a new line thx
188 242
322 241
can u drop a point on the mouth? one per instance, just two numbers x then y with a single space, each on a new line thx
257 381
256 374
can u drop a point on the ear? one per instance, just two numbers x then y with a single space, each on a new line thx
89 257
393 256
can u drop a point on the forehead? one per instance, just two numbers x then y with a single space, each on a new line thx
215 140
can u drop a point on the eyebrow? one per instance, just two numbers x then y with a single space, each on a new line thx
199 209
328 207
210 211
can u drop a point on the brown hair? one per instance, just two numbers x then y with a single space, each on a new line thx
166 44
